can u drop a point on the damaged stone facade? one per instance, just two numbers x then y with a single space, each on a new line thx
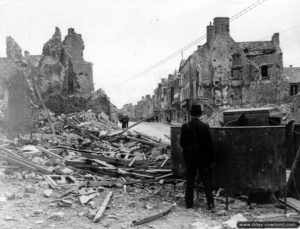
144 107
224 72
17 93
63 77
293 76
66 79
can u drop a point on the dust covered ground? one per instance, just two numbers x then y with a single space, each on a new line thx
27 201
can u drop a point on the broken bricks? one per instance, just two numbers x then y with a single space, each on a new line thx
84 199
48 193
92 153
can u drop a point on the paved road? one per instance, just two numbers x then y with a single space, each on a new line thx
157 130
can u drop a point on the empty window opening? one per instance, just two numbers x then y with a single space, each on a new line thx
294 90
236 59
264 72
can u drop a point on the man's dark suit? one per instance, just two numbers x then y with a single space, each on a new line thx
198 154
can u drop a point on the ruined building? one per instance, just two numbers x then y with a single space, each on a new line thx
293 76
144 107
17 93
226 72
60 75
129 110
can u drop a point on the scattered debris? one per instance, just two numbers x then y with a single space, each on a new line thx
292 202
30 189
57 216
152 218
48 193
3 199
102 207
9 218
199 225
84 199
222 213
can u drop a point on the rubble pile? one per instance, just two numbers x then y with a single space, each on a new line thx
286 111
87 154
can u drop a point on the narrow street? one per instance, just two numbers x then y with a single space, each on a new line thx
154 129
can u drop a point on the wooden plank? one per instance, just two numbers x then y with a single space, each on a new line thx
158 170
79 131
146 142
138 175
6 140
167 136
9 167
70 190
111 160
132 161
78 150
275 215
147 136
9 152
44 106
152 218
102 207
49 152
104 163
24 163
113 184
16 162
164 176
292 202
4 145
163 164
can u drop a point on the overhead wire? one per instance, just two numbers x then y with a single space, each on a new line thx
283 31
191 44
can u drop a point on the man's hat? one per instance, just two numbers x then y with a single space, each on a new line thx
196 110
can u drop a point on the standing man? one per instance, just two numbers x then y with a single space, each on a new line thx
126 121
198 154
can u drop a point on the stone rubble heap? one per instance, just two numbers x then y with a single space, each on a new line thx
86 154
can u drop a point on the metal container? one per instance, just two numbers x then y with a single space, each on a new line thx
249 158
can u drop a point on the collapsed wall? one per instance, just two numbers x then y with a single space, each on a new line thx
61 75
21 102
66 79
64 104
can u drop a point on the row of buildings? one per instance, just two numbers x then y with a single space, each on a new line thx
222 72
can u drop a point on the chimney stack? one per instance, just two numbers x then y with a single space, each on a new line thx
221 26
209 33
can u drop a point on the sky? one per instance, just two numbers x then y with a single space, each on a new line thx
124 37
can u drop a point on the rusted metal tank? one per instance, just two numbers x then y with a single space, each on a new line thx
249 158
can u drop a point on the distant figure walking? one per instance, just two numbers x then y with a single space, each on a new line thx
126 118
122 120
